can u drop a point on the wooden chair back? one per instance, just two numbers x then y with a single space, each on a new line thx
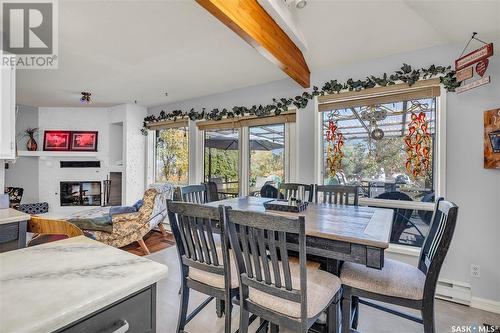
259 242
194 235
291 189
40 225
337 194
437 243
193 194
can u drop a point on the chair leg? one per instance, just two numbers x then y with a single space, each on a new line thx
428 317
228 307
244 317
143 246
355 311
346 312
275 328
162 229
219 307
184 300
332 318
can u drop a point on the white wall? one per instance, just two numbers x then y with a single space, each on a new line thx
23 172
474 189
40 176
50 174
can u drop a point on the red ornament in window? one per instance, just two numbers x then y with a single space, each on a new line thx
334 153
418 145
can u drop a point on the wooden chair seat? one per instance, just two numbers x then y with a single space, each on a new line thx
321 288
396 279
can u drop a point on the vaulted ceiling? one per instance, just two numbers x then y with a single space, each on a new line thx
123 51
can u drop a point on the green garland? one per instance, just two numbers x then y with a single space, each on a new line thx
406 75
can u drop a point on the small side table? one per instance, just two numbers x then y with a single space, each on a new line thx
13 226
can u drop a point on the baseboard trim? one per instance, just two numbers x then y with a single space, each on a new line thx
485 304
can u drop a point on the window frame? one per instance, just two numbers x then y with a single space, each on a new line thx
439 167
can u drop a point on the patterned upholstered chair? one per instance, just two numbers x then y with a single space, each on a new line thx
132 227
34 208
399 283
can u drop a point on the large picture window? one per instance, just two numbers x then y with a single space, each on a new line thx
267 156
375 157
172 155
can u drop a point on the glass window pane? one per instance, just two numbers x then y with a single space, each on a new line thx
375 158
222 160
172 156
267 156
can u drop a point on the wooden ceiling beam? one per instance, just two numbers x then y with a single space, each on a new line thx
252 23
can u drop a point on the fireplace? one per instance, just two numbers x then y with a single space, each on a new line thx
80 193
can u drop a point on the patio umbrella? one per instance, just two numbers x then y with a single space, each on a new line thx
228 142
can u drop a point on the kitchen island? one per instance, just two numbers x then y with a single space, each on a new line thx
13 225
77 285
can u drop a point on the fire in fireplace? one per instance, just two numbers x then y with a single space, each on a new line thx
80 193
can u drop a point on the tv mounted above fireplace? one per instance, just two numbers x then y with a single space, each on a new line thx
87 193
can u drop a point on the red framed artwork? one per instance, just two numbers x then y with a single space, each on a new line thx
84 140
56 140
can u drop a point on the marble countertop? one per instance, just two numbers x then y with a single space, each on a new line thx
9 215
45 287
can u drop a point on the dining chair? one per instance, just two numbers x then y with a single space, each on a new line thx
291 189
49 230
192 193
269 191
212 192
337 194
399 283
271 286
203 258
402 216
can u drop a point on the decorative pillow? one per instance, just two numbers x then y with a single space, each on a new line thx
34 208
98 223
138 205
122 210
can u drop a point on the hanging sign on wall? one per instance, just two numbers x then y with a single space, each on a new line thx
464 67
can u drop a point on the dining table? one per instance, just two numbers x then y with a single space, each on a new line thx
334 232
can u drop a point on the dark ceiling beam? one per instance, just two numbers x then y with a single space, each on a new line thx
252 23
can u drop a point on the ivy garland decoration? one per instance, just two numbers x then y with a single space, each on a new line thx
406 74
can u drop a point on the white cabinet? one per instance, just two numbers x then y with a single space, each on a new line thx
7 110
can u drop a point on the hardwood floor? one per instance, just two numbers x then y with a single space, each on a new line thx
154 240
370 320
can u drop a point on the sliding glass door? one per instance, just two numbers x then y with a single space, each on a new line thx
221 160
267 156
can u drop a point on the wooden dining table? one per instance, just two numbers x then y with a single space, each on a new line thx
335 232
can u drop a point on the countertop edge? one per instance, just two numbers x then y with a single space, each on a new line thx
86 309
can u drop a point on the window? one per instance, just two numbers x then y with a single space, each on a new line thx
267 156
221 157
375 158
172 155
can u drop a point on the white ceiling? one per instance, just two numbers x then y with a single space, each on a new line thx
123 51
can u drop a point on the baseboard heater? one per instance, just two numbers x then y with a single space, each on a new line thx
80 164
453 291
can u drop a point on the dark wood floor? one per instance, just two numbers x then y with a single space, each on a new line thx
155 242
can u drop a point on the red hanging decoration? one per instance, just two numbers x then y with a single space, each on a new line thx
334 153
418 145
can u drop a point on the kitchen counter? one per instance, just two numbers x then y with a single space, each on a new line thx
46 288
13 225
9 215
